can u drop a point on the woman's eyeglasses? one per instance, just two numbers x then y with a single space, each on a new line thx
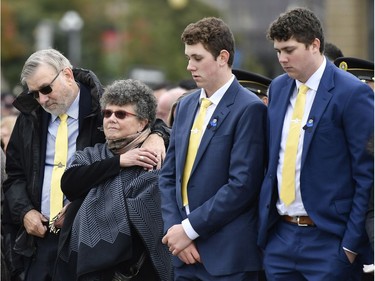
120 114
46 89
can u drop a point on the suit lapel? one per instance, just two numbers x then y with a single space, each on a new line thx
189 110
278 106
220 113
322 98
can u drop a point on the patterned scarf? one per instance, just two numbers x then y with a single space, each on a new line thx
101 233
121 146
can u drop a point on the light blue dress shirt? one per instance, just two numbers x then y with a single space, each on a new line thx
50 150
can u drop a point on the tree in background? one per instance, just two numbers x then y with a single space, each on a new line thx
117 35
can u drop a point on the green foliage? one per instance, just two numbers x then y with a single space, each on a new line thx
117 35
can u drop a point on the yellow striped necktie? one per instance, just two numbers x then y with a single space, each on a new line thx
287 193
59 165
194 141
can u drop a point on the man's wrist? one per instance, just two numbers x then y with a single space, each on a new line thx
160 134
189 230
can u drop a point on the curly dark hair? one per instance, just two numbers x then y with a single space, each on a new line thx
133 92
213 33
300 24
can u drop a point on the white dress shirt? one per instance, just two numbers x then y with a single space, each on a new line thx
296 208
73 113
215 99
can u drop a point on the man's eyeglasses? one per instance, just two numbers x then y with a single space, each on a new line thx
46 89
120 114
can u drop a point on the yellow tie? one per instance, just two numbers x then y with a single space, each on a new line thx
59 165
287 193
194 141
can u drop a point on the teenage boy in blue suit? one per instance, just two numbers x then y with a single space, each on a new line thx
213 235
319 234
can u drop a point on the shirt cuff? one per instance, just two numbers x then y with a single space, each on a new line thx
189 230
350 251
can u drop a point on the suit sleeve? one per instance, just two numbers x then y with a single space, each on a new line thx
359 126
370 219
167 184
78 179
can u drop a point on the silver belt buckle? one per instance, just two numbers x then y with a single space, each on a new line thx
301 224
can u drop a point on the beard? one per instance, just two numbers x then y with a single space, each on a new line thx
56 109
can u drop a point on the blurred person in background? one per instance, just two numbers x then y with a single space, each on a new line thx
364 71
160 89
172 112
6 127
255 82
360 68
6 274
7 107
332 52
165 102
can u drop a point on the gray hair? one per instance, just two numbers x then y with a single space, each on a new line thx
49 57
134 92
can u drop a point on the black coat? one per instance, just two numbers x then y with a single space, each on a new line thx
26 152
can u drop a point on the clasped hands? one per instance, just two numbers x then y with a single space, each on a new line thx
181 245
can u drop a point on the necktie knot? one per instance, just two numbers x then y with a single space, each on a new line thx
303 89
205 103
63 117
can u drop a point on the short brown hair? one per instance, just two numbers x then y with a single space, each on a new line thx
213 33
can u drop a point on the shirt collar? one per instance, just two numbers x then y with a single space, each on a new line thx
73 110
216 97
314 80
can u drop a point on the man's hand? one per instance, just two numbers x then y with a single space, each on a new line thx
351 256
176 239
34 223
156 143
190 254
143 157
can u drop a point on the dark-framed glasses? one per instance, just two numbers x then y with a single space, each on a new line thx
46 89
120 114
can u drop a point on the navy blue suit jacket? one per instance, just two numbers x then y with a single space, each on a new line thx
224 185
336 167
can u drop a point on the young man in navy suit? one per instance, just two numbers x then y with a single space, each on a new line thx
317 231
212 231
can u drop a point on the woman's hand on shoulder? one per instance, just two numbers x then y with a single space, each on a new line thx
143 157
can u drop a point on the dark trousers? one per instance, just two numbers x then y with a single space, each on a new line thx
197 272
40 267
307 253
